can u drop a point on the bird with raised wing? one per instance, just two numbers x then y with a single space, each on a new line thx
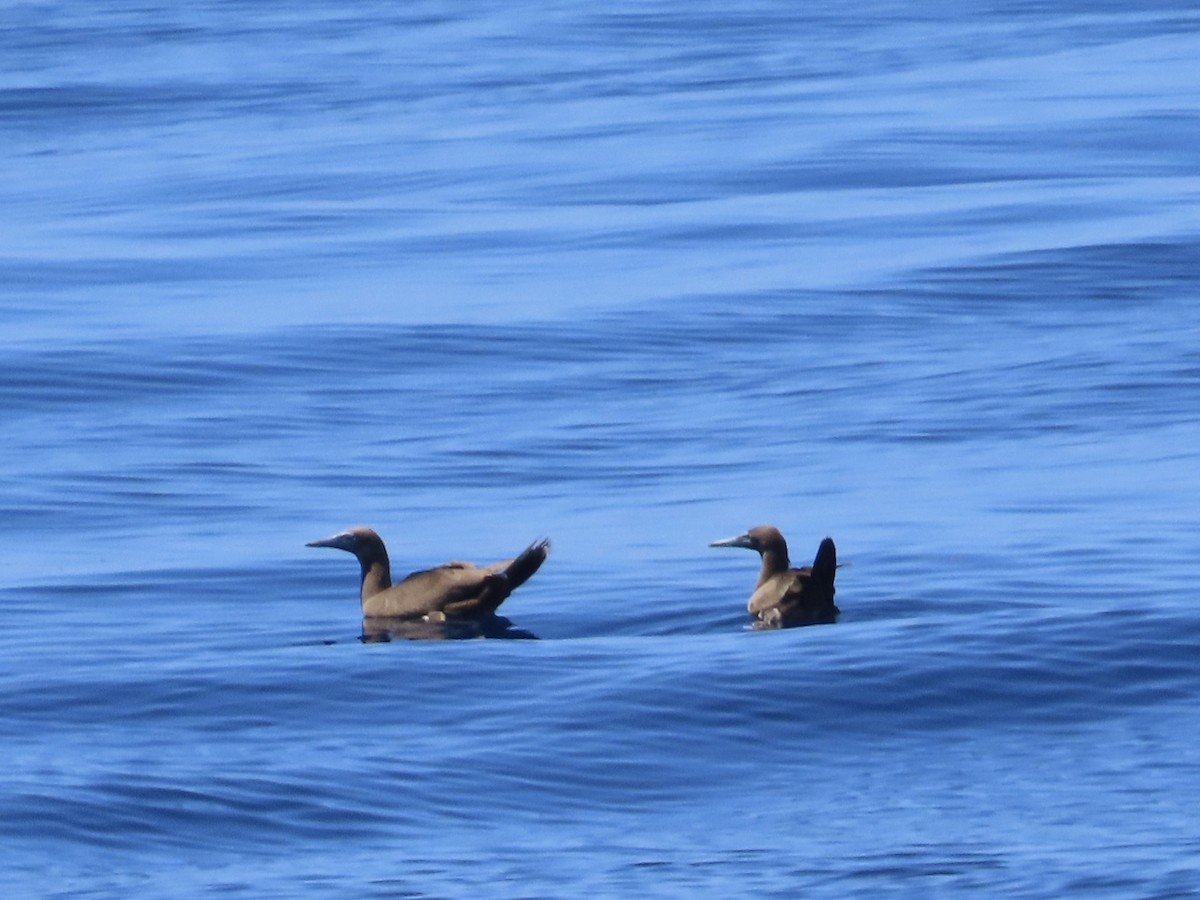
784 596
454 590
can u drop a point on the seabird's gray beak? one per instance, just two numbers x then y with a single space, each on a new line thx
742 540
343 540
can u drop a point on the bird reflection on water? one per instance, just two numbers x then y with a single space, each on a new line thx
381 629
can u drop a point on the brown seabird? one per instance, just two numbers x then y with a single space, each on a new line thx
783 596
453 590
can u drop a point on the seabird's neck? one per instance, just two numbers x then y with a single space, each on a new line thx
376 575
774 561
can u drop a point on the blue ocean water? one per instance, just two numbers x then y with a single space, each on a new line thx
632 277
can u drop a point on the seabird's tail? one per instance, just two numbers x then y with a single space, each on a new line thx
529 561
824 567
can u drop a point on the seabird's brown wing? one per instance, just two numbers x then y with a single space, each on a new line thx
794 597
465 588
785 587
522 568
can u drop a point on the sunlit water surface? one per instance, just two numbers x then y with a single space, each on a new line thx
636 278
